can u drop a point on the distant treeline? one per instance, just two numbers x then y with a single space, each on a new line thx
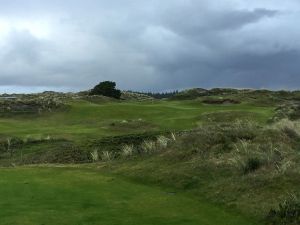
160 95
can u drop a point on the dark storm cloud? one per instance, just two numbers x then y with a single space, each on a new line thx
149 45
200 22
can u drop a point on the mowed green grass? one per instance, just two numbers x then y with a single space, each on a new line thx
74 196
85 119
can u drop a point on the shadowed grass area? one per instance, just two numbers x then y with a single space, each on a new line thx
84 196
86 119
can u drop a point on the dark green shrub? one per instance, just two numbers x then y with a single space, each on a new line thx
252 164
288 213
291 133
295 115
70 154
115 143
106 88
220 101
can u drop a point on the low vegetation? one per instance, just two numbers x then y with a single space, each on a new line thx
288 212
106 88
236 150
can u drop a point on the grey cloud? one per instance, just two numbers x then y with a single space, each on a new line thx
149 45
278 70
200 21
22 46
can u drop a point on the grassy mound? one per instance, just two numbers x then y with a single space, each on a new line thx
237 165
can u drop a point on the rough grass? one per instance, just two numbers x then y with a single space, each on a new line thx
243 166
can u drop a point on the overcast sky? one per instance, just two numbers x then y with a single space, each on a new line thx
149 45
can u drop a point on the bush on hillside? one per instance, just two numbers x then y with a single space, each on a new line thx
252 164
288 212
106 88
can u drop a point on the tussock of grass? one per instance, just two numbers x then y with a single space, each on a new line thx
107 155
251 156
148 147
127 151
173 136
292 128
95 155
162 141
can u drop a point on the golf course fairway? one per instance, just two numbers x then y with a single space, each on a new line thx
83 196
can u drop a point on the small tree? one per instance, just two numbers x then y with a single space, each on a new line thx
106 88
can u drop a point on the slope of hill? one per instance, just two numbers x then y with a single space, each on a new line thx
234 152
